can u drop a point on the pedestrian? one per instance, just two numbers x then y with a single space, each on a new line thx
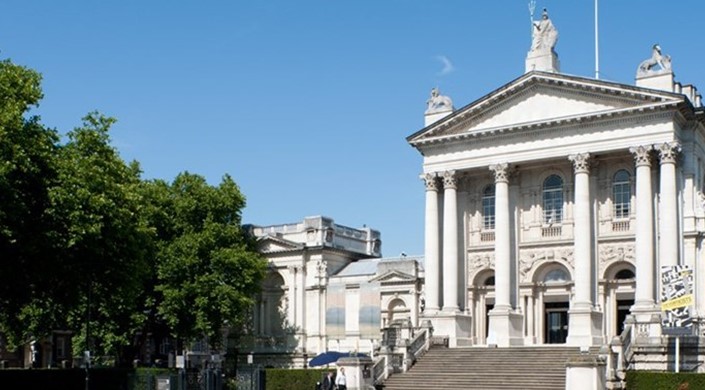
328 382
340 380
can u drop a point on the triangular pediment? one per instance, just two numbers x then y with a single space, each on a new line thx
393 276
539 99
270 244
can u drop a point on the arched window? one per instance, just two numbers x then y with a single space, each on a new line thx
622 194
553 199
489 281
624 274
556 276
488 207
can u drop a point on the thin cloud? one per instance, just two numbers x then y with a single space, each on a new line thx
447 65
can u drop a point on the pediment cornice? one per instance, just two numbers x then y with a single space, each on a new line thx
393 276
272 244
608 100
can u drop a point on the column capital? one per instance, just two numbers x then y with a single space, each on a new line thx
431 181
669 152
501 172
581 162
450 179
642 155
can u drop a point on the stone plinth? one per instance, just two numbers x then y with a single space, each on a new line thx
543 60
456 326
505 328
436 116
584 327
358 372
585 372
657 80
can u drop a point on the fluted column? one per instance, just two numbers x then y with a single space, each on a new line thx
583 247
584 321
668 211
506 324
431 245
450 242
502 271
644 240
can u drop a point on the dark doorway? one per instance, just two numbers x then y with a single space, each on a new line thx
488 308
623 306
556 322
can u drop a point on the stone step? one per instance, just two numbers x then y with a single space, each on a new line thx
525 368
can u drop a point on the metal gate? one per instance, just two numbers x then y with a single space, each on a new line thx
250 377
200 379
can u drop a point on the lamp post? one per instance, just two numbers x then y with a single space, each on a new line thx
87 352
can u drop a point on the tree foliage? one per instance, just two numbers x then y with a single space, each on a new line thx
86 245
27 171
207 269
102 234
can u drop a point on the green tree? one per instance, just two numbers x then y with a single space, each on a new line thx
207 268
27 171
102 235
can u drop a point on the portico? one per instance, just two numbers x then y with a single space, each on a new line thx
550 225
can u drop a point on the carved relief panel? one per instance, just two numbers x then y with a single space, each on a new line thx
532 259
613 253
478 262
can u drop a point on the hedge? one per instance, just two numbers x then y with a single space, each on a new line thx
646 380
285 379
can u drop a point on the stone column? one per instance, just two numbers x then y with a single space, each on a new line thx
583 247
668 210
585 323
431 245
530 313
502 270
292 294
506 324
644 240
450 242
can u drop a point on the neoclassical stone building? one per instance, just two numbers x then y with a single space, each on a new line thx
328 288
552 206
553 201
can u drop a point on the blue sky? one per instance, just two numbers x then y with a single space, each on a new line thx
307 103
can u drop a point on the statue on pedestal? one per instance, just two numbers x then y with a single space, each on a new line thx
438 103
657 59
544 35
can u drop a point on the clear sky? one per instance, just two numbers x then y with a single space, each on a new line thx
307 103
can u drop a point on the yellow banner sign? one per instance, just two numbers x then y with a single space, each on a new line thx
685 300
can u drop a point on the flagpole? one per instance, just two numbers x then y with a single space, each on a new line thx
597 46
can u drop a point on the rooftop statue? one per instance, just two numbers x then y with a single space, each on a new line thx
544 34
438 103
647 66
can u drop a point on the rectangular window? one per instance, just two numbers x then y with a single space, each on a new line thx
488 213
60 347
622 194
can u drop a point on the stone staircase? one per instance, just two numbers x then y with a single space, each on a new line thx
522 368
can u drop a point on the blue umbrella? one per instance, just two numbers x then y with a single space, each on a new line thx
329 357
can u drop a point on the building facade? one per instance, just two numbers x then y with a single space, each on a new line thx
328 288
553 202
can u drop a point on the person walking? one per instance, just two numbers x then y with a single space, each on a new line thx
328 382
340 380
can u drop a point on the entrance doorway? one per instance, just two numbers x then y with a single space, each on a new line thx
623 306
556 322
488 308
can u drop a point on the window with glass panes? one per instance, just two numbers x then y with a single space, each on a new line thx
621 193
553 199
488 207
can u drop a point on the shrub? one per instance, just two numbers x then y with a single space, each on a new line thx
647 380
284 379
